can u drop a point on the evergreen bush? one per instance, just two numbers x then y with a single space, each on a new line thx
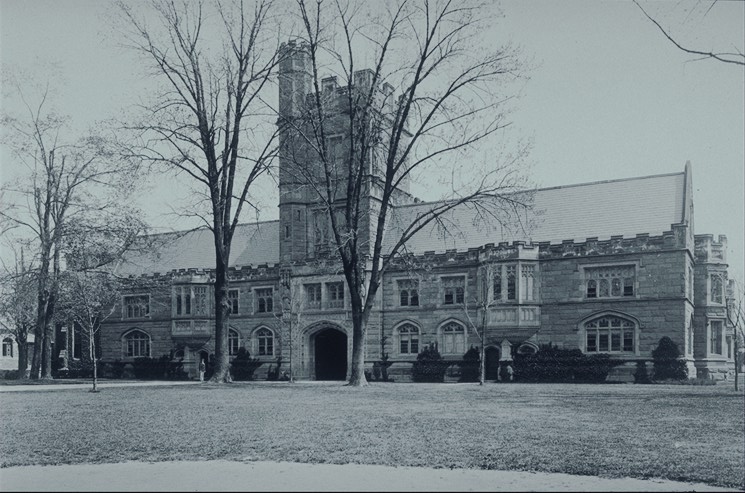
243 366
429 366
79 368
641 375
594 368
667 366
116 368
175 369
144 368
273 374
469 367
553 365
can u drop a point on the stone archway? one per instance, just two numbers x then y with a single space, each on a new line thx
491 363
330 354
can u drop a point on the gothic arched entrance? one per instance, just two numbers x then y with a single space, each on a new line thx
491 363
330 354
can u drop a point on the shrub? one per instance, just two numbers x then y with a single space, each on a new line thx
379 370
384 364
506 372
273 374
116 369
641 375
175 369
144 368
548 364
429 366
553 365
243 366
162 368
667 366
11 375
594 368
469 367
76 368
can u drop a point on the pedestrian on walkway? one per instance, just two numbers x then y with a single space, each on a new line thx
202 368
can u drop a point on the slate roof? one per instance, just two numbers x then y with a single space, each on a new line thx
255 243
626 207
649 204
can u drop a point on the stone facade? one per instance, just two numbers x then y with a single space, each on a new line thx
613 293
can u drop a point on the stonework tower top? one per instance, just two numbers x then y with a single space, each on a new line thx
294 78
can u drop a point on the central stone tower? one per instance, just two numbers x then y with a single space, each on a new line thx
304 218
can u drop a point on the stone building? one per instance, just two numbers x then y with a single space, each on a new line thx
606 267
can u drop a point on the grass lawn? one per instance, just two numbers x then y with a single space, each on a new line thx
684 433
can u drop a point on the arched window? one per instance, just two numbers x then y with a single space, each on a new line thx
264 342
610 334
408 337
8 347
135 344
453 337
234 342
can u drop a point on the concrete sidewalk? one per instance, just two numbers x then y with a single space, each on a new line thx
101 385
286 476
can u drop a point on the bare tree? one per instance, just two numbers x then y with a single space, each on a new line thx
482 303
90 286
209 122
87 299
368 146
736 319
18 306
64 178
736 57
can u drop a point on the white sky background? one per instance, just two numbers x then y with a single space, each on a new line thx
608 97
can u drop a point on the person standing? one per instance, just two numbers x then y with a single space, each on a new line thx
202 369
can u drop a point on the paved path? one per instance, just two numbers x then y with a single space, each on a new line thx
102 385
223 475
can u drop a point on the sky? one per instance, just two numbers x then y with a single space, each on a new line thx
608 96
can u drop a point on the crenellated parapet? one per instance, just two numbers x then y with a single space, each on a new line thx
261 272
615 245
709 250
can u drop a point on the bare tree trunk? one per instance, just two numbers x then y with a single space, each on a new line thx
51 301
737 362
22 342
222 359
292 375
41 315
46 354
92 348
35 372
482 365
359 333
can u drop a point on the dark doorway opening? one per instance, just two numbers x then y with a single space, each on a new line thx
491 363
331 355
